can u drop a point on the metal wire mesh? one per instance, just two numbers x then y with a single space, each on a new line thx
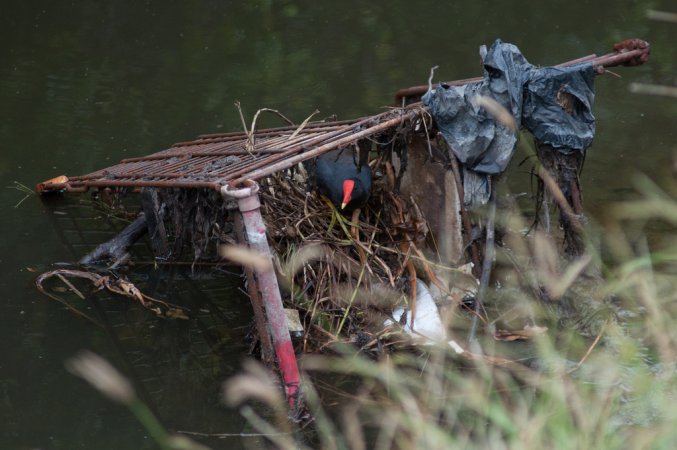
212 160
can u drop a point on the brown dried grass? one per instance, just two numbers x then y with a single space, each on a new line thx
345 275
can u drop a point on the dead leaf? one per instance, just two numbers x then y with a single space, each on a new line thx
524 334
175 313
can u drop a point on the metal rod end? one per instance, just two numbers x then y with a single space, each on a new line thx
246 189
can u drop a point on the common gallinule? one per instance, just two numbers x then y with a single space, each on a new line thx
344 180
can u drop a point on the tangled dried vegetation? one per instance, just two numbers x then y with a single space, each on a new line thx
347 274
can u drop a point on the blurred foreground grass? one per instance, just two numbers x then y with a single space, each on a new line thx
605 386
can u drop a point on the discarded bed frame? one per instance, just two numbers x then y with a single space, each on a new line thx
232 162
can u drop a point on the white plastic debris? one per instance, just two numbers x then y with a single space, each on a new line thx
457 348
294 322
427 321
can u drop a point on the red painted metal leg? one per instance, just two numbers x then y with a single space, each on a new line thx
249 205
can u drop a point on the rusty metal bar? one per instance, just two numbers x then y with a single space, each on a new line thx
417 91
82 187
290 162
248 202
262 134
624 52
194 154
293 145
269 145
193 171
618 58
289 151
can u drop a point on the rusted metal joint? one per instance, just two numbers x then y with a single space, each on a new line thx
246 194
53 184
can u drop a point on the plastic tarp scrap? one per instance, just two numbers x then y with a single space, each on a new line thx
429 328
533 96
569 128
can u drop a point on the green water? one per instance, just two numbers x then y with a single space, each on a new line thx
85 84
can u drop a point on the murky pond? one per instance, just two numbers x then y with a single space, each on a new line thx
85 84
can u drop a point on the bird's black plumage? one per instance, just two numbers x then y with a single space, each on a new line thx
331 171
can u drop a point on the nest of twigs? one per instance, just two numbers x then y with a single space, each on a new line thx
346 274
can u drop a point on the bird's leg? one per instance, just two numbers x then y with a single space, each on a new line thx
342 221
345 224
355 233
355 225
337 217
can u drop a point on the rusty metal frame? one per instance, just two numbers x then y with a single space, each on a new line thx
214 160
232 162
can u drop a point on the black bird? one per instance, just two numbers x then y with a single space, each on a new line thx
344 180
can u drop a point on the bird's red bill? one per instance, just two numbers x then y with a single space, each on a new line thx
348 186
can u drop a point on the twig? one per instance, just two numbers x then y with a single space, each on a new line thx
412 287
492 360
69 306
224 435
21 188
303 125
249 146
592 346
71 286
350 303
244 124
118 286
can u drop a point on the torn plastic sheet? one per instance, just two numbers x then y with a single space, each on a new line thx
564 122
429 328
535 98
480 143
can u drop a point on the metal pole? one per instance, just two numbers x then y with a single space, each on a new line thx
267 350
247 198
